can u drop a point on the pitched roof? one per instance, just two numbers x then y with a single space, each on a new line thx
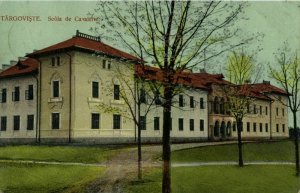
85 44
23 67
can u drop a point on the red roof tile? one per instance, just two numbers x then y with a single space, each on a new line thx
87 44
27 66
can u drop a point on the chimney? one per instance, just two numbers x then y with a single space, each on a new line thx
22 58
13 62
5 66
266 82
202 70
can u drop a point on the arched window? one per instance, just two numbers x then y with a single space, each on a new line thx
216 129
228 129
222 109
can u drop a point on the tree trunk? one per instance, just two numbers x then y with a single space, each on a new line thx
296 141
239 128
166 183
139 144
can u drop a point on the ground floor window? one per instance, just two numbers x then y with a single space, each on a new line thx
55 120
95 120
143 122
156 123
201 125
30 122
180 124
192 124
16 122
116 121
3 123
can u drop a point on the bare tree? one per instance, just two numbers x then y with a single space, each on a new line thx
241 72
134 90
173 35
287 75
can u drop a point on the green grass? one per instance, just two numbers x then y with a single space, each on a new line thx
271 151
223 179
57 153
30 178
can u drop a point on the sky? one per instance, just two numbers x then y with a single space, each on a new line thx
277 20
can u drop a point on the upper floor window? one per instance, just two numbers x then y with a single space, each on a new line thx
254 109
181 102
192 104
95 89
142 95
29 93
266 110
157 98
117 92
3 95
16 94
55 88
201 103
277 111
260 110
106 64
283 112
55 61
3 123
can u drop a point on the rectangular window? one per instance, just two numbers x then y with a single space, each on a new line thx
116 121
234 126
57 60
201 103
29 93
201 125
117 92
3 123
3 95
108 64
156 123
143 122
16 94
191 124
192 105
248 126
55 88
55 120
180 100
277 111
95 120
142 95
267 127
283 112
266 110
277 128
95 89
283 128
53 61
260 127
30 122
254 127
157 98
16 122
254 109
260 110
103 64
180 124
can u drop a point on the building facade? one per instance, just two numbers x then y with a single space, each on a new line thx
82 88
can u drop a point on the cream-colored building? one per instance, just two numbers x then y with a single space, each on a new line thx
18 102
79 87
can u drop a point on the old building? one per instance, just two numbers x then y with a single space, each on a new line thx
79 90
18 102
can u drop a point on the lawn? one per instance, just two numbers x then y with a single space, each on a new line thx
268 151
30 178
58 153
222 179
